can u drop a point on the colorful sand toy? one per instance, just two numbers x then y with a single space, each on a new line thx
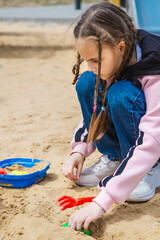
82 229
69 202
2 171
17 172
22 181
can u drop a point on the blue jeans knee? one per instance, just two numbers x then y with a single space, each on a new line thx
126 105
85 88
126 95
86 85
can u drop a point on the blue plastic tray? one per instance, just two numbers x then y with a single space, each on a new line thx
22 181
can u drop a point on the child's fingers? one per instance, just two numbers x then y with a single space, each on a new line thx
87 221
68 172
72 177
79 224
72 224
79 169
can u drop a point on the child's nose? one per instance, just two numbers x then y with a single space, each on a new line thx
91 68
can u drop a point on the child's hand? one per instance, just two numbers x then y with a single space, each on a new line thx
76 160
85 216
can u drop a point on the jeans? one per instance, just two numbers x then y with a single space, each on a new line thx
126 105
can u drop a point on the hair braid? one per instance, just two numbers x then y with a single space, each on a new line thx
93 118
131 37
101 123
130 42
99 71
76 68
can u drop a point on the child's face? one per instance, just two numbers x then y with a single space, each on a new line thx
110 60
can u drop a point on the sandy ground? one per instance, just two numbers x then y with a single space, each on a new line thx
39 112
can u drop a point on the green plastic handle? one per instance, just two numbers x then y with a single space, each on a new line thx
82 229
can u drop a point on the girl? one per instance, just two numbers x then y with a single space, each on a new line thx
120 101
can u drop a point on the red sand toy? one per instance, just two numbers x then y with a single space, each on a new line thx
69 202
2 171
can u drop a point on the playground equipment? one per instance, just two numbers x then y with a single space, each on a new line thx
77 4
116 2
145 14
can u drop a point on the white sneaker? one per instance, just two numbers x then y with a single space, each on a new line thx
92 175
145 190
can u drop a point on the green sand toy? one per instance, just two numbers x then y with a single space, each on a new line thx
82 229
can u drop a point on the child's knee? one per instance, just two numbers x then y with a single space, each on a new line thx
123 94
86 83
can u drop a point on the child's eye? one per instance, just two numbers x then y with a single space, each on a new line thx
95 61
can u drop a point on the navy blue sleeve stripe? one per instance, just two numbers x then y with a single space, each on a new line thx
79 134
108 178
85 138
123 165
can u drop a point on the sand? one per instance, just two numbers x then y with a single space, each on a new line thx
39 112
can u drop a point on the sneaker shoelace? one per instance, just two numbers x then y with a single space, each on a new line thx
98 165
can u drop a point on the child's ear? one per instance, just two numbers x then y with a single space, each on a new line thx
122 46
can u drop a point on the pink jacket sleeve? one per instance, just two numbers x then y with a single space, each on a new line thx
141 157
79 140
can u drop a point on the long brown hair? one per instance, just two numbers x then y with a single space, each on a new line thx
109 24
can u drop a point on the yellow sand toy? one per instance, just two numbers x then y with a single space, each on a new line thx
16 172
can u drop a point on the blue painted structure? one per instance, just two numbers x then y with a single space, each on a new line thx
148 15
